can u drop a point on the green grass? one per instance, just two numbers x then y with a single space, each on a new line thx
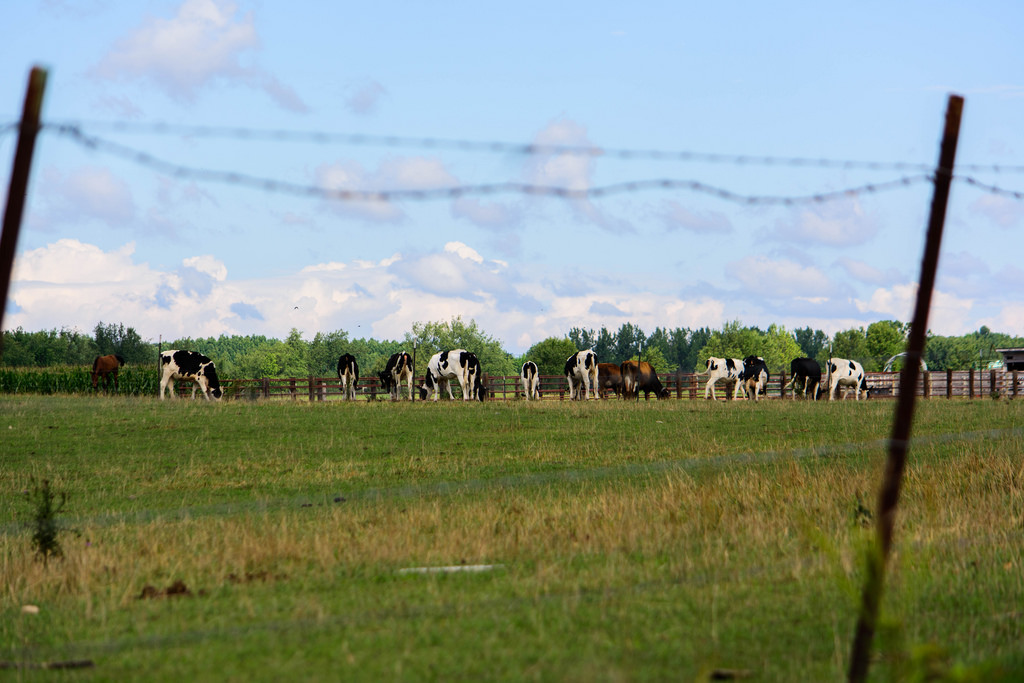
646 541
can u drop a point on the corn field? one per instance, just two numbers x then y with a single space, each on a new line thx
75 379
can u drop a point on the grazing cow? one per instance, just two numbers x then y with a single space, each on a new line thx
755 376
348 373
531 380
844 373
581 371
457 364
639 376
806 374
106 367
609 376
728 369
191 366
398 369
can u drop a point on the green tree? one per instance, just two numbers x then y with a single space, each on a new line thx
657 359
628 341
811 342
851 344
604 346
323 352
733 341
550 355
779 348
883 339
431 337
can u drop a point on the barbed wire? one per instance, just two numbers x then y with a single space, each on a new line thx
991 189
358 139
272 185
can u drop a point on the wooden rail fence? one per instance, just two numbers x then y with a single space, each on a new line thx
971 384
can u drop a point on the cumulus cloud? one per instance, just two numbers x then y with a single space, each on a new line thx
780 278
570 171
866 273
834 224
675 216
949 313
88 192
407 173
75 284
363 98
202 45
1002 211
491 215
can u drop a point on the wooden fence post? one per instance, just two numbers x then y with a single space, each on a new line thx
266 387
970 383
949 384
1013 386
899 442
18 185
927 376
782 384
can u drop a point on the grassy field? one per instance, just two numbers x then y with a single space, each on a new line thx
652 541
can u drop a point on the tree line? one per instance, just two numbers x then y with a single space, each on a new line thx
668 350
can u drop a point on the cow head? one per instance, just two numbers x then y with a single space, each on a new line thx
212 382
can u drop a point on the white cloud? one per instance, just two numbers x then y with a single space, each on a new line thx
464 251
363 98
407 173
73 284
83 193
835 224
866 273
491 215
949 313
201 45
1002 211
570 171
675 216
780 278
208 265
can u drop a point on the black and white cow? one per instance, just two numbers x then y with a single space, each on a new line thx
457 364
399 369
191 366
844 373
728 369
806 374
348 373
530 376
755 376
581 372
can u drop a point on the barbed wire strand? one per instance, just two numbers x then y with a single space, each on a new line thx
270 185
357 139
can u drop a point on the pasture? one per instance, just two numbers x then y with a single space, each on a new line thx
674 540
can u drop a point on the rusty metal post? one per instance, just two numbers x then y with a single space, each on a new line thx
18 188
889 495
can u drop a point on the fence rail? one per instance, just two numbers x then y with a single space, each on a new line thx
969 384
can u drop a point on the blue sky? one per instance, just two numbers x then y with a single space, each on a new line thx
106 238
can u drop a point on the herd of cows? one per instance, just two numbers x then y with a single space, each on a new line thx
584 375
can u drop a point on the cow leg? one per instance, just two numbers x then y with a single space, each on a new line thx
709 387
163 387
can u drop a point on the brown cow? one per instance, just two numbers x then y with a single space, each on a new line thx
640 376
609 377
